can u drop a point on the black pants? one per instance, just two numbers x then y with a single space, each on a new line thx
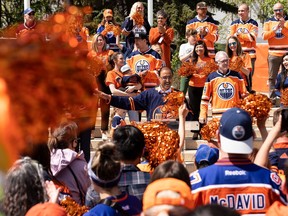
84 136
104 107
195 94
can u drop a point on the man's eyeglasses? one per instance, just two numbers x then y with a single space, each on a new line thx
232 44
166 78
224 61
31 14
202 8
278 10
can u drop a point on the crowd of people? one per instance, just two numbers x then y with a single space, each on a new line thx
137 76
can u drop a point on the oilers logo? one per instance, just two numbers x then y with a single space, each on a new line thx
238 132
243 31
110 34
142 65
226 91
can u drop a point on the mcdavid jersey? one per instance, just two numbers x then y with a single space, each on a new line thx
238 184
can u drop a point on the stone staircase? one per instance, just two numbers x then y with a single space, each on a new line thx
190 145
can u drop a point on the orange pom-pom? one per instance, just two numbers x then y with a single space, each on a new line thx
138 18
173 101
72 208
187 69
209 130
284 97
237 64
257 105
161 143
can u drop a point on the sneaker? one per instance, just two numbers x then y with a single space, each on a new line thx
104 137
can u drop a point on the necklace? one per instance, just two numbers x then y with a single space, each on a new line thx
31 27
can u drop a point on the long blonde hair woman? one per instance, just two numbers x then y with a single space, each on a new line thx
101 52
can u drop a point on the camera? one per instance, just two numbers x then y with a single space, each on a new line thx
284 124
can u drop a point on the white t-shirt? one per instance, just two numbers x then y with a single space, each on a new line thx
185 49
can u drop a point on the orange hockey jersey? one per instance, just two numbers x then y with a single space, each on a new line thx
246 33
224 90
211 27
149 60
277 41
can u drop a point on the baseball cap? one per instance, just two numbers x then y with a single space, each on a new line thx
236 132
46 209
206 153
28 10
151 196
125 68
141 35
108 12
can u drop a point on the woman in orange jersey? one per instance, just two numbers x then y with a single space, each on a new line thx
203 65
114 82
239 61
163 35
100 53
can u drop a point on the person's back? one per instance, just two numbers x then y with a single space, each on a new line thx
234 181
67 166
105 172
129 142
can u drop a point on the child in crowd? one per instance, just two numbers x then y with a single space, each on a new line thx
105 172
118 119
129 80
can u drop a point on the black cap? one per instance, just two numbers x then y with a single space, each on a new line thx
141 35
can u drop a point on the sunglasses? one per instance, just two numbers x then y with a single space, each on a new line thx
31 14
278 10
232 44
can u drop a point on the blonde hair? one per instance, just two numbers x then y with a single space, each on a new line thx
133 8
94 43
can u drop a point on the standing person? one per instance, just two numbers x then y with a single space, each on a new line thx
282 80
223 88
136 22
67 166
206 26
163 34
105 172
29 25
275 30
108 21
203 66
239 61
145 61
185 54
234 181
246 30
112 81
100 52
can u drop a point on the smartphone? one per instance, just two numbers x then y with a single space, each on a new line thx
284 124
